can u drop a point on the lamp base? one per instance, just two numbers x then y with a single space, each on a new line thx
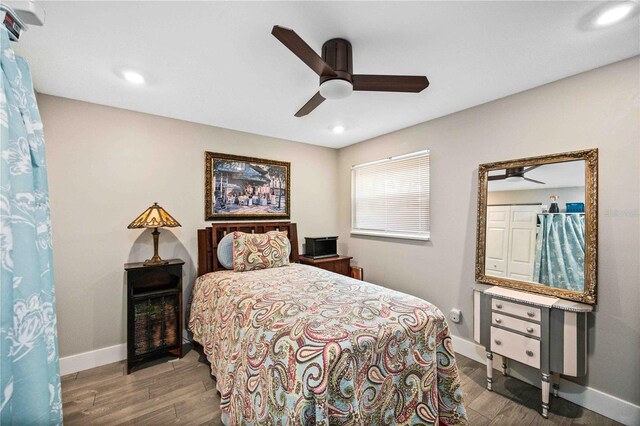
155 260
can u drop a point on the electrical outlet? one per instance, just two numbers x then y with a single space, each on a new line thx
455 315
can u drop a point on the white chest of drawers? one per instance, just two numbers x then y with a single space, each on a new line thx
546 333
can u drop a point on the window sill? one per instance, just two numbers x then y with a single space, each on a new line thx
400 235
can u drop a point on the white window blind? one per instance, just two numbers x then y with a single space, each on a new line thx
390 197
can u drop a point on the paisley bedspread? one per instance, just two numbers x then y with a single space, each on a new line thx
298 345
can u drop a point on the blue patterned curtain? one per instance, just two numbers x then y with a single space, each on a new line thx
29 373
560 251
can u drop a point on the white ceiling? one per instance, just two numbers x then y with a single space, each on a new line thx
555 175
217 63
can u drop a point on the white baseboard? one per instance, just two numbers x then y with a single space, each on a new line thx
86 360
610 406
96 358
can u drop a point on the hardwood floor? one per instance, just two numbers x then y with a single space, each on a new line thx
183 392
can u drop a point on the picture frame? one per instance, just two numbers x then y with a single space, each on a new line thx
246 188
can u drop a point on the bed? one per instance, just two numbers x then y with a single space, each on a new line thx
297 345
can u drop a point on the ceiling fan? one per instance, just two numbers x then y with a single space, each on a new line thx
335 69
516 174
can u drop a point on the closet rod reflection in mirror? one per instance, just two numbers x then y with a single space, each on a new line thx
537 224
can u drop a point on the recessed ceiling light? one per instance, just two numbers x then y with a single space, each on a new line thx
338 128
133 77
614 14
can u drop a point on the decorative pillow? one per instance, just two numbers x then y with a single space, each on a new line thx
260 251
225 251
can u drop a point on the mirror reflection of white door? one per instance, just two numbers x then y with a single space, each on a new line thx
497 241
511 241
522 242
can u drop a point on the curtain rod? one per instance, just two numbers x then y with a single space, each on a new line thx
18 17
12 22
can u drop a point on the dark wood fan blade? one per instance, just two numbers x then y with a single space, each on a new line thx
302 50
534 181
390 83
531 168
497 177
311 105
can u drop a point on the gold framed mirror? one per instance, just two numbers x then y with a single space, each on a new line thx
537 227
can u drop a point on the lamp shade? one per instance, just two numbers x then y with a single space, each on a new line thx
154 217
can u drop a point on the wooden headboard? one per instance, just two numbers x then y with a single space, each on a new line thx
209 238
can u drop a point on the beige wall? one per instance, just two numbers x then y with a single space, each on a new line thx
106 165
597 109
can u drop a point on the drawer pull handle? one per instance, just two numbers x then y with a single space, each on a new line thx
498 320
499 305
498 342
530 329
529 353
531 314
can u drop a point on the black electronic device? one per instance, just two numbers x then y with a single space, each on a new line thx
321 247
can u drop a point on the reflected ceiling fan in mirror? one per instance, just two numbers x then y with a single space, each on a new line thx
516 174
335 69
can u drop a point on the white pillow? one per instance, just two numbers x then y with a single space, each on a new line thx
225 251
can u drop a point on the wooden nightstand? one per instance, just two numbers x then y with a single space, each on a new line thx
339 265
154 311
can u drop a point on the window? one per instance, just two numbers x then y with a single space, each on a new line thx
390 197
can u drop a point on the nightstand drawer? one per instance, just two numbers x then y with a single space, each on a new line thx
339 264
519 310
514 346
341 267
515 324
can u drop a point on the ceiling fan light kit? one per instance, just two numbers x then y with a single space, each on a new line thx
336 88
335 69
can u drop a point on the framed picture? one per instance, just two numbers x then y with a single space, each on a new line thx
246 188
